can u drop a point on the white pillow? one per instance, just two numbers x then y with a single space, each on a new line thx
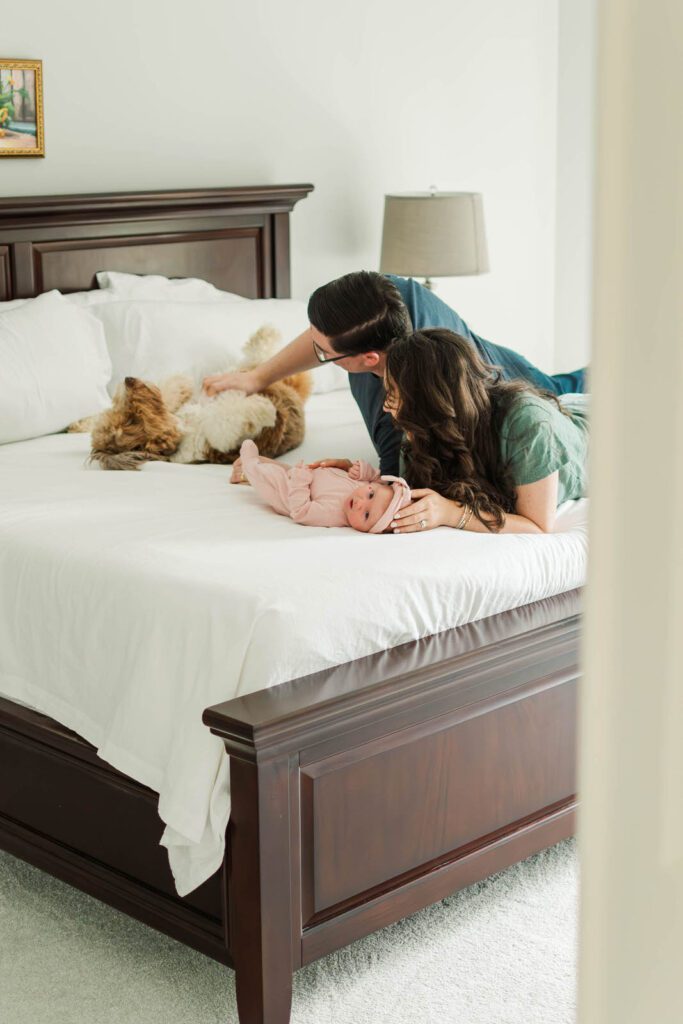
93 297
153 340
54 367
155 286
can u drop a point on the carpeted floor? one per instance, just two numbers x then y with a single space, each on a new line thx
501 952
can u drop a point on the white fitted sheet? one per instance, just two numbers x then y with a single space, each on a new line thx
129 602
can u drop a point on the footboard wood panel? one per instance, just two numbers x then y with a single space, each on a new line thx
436 881
415 771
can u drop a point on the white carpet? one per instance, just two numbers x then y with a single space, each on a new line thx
500 952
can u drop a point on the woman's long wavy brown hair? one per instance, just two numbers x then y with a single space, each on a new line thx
451 405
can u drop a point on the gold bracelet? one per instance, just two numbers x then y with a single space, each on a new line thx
464 518
470 512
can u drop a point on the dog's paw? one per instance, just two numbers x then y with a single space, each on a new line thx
176 390
261 346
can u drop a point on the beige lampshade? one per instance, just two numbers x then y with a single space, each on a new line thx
434 234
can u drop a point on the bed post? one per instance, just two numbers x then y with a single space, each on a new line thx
259 887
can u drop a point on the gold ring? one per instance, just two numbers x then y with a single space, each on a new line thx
242 478
423 523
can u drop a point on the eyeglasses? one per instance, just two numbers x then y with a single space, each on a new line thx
322 356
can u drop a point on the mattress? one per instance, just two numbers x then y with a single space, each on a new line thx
129 602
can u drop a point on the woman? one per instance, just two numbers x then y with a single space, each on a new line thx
485 454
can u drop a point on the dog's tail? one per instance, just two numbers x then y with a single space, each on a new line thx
121 460
302 384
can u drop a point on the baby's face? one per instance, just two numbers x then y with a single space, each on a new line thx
367 504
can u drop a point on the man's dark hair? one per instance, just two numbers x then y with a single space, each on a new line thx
359 312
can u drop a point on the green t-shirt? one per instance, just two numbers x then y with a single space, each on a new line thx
537 439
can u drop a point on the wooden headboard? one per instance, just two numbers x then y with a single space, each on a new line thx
236 238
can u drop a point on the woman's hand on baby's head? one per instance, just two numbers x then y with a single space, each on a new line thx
344 464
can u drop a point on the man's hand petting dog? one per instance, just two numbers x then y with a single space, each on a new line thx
239 380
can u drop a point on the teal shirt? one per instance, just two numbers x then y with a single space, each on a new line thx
427 310
537 440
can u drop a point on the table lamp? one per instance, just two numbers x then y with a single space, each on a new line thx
433 234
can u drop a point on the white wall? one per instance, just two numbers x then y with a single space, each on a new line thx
575 181
360 98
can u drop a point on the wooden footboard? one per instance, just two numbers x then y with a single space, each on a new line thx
364 793
359 795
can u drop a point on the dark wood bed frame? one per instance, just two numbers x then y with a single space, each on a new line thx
359 794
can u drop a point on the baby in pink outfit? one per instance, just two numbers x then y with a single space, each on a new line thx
360 498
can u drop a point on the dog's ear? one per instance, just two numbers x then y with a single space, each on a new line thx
158 428
119 460
138 422
164 443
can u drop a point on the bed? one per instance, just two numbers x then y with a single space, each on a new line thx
424 739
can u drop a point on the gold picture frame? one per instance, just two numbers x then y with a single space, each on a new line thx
22 129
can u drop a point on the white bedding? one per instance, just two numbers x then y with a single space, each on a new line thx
129 602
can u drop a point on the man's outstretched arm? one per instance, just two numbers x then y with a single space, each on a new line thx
293 358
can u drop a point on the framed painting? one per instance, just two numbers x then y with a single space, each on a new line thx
21 108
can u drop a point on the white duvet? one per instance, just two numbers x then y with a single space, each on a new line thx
129 602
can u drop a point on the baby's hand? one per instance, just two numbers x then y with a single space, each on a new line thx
344 464
361 470
237 476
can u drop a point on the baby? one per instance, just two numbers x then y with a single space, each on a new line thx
324 496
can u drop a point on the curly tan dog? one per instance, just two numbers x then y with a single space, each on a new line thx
168 423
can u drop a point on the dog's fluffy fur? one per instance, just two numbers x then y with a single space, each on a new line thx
172 424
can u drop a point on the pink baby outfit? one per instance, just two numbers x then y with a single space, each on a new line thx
312 497
315 497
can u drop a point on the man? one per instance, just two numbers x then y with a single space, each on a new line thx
353 320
